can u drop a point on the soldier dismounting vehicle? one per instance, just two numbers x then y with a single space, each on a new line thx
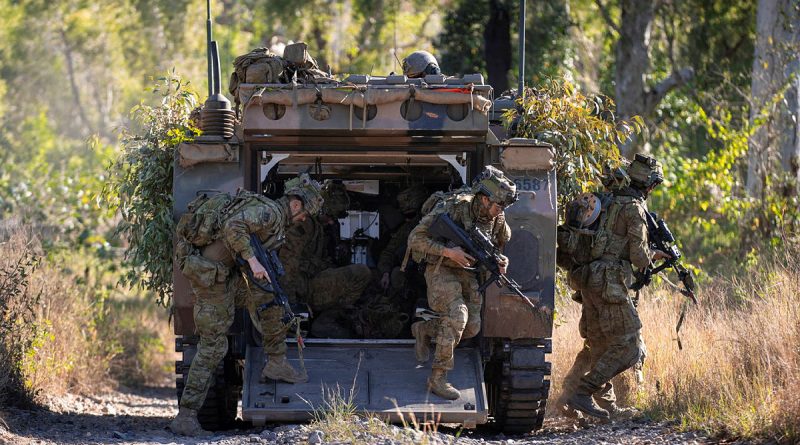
452 284
219 286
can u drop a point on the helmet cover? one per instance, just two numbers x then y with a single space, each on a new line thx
411 199
494 184
645 171
337 201
308 190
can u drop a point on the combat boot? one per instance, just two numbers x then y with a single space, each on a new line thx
422 347
570 413
582 401
437 384
614 411
186 424
278 368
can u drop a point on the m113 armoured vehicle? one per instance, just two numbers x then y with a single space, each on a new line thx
378 134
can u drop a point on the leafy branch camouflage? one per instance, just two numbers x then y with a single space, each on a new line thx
583 130
140 184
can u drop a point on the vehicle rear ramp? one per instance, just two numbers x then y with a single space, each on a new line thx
381 377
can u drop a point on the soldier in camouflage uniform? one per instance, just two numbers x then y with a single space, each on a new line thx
392 258
307 257
219 287
452 289
609 321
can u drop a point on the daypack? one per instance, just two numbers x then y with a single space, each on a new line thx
442 196
202 223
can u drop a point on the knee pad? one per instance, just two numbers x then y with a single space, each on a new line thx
472 328
458 316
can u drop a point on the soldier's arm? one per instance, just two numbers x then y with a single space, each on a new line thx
502 232
237 228
639 252
387 257
421 240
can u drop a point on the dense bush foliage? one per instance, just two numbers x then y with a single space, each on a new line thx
17 324
140 184
582 129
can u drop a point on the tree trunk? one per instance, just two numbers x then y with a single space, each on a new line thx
633 97
633 58
73 83
497 39
774 65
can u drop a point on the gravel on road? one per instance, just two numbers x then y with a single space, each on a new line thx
141 416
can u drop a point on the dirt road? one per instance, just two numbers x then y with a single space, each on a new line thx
141 417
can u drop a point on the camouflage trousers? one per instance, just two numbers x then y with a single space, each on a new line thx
453 294
600 360
338 286
213 316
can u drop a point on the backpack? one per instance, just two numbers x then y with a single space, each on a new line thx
201 224
440 196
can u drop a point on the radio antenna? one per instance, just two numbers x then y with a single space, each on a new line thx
521 87
216 117
209 38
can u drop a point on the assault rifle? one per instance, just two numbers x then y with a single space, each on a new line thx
272 264
480 247
659 237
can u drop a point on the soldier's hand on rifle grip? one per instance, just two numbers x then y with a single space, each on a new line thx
502 264
460 257
258 270
660 255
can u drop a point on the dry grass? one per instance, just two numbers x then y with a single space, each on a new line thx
738 374
86 334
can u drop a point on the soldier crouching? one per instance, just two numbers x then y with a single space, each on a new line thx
219 286
452 285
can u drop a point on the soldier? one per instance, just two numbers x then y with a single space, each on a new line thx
420 64
453 289
218 287
307 259
609 321
393 279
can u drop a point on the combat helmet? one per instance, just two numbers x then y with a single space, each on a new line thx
494 184
582 212
411 199
307 190
645 171
420 64
337 201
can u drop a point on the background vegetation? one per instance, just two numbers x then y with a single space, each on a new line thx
707 86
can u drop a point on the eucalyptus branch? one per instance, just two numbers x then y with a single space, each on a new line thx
606 15
675 80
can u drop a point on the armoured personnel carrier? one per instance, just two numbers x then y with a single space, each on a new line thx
378 134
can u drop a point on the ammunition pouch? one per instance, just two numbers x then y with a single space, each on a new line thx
201 271
578 277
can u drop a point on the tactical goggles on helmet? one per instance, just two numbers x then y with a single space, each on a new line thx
499 189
